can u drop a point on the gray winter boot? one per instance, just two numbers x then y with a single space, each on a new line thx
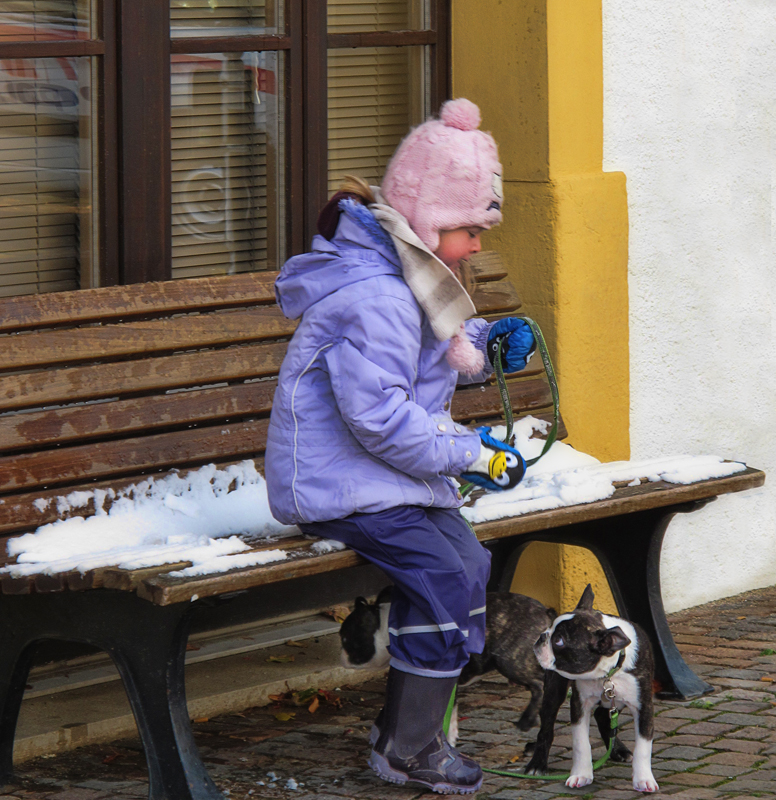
411 745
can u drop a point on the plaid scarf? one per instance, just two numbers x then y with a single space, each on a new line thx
438 292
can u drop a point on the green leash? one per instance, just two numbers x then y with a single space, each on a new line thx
506 404
545 354
613 717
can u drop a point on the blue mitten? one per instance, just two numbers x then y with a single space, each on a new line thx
498 466
518 343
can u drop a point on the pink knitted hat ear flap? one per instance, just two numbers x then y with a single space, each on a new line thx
446 175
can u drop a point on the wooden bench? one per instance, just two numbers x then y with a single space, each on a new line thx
103 388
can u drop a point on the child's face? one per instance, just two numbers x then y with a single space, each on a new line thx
458 245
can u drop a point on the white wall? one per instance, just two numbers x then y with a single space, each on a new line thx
690 117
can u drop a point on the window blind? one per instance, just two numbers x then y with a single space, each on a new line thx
243 17
227 163
39 20
45 175
376 94
355 16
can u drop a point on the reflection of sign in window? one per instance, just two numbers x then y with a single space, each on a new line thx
35 93
185 68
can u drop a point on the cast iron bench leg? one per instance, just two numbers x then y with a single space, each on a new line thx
148 646
629 548
14 669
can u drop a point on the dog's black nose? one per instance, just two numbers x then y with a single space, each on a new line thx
542 639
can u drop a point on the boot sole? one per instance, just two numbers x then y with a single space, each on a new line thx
386 772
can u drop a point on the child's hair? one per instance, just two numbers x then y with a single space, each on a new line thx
352 184
358 189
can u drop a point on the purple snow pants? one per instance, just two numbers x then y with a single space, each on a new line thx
439 571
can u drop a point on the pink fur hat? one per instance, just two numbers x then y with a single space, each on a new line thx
446 174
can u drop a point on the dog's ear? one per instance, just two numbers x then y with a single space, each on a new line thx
384 596
610 641
586 601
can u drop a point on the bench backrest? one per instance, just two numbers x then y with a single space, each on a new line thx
103 387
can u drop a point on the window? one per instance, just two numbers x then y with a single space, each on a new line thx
203 140
48 223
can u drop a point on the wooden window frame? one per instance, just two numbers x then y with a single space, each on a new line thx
134 142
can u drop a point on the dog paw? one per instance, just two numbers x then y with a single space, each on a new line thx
645 784
577 781
621 754
535 768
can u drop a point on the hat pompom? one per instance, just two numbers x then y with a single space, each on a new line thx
463 356
461 114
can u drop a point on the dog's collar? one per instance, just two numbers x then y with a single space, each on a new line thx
608 684
617 667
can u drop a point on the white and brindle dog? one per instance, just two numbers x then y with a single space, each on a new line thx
589 649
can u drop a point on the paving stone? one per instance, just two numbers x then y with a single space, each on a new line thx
108 786
724 770
671 765
690 779
707 728
739 785
688 712
743 719
734 759
687 739
743 674
744 706
759 734
736 745
685 753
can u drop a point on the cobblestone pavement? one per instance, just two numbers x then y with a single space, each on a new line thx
722 746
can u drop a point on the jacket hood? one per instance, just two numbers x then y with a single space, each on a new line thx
358 251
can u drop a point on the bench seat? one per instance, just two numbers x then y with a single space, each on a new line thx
103 388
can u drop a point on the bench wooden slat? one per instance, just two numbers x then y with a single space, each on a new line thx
139 338
11 585
479 402
97 460
487 266
163 589
128 580
121 302
131 456
114 577
73 384
111 419
118 302
625 500
496 297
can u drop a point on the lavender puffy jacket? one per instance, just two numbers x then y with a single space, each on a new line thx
360 420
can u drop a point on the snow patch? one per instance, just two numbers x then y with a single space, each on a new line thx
172 520
566 477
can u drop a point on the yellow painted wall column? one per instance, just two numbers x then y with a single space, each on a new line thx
535 68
